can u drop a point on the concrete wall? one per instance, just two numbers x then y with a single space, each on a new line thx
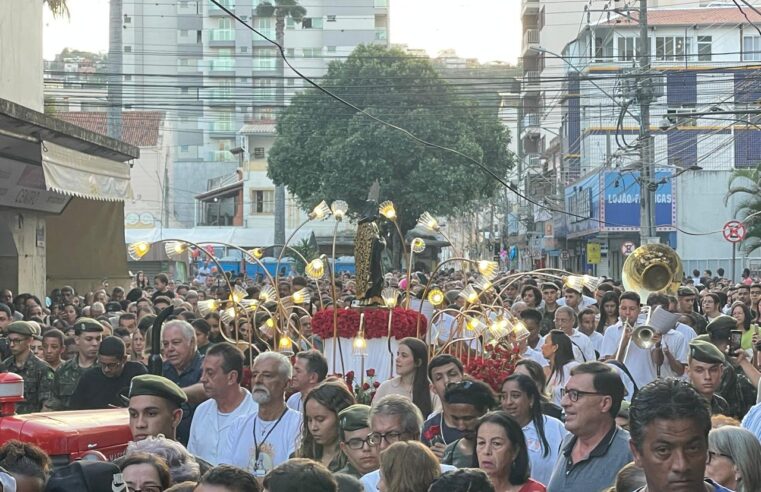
22 260
21 52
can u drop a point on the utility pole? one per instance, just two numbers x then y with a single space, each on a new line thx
114 112
646 147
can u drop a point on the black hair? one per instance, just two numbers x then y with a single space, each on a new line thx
471 392
605 380
442 360
201 325
519 471
300 475
611 296
421 385
232 358
462 480
667 399
564 353
316 363
658 299
230 477
22 458
528 386
535 290
630 296
537 373
746 313
531 314
55 333
4 308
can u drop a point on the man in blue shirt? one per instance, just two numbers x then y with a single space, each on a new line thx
669 423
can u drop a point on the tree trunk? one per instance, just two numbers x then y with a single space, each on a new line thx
280 98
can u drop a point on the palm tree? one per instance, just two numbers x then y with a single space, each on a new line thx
58 7
281 10
746 185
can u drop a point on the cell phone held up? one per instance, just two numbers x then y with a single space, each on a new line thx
735 338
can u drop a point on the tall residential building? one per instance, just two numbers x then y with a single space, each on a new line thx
703 62
213 75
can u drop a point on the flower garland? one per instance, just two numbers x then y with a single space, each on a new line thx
497 363
403 324
365 392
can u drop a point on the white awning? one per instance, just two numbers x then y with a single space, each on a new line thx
239 236
83 175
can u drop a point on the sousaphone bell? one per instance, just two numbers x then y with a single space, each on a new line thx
652 268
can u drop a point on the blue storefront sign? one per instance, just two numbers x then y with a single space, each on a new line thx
608 201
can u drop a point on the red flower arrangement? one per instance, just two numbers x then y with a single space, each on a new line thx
431 433
364 392
403 324
496 364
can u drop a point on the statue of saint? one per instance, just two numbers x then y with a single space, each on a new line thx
368 248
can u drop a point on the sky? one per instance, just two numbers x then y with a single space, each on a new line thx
490 32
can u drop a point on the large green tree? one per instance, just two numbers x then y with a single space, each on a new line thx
326 150
745 184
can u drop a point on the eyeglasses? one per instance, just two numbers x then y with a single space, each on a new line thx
376 438
574 395
14 341
712 455
110 366
356 443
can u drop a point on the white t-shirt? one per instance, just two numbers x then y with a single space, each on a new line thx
596 339
639 361
370 481
294 402
555 384
586 301
535 355
240 448
210 427
687 332
541 466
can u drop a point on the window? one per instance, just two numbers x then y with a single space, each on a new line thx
312 52
704 48
752 48
312 23
199 36
672 48
184 148
128 49
331 18
262 202
184 90
291 82
603 49
681 120
290 52
128 77
331 49
628 48
127 19
258 152
183 62
244 49
183 33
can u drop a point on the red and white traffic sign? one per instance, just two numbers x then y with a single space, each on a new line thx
628 248
734 231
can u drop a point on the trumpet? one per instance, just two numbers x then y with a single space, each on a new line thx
657 321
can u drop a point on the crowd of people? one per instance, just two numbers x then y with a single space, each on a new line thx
586 408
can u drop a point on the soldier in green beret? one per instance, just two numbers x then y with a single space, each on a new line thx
154 407
88 334
37 374
705 368
353 432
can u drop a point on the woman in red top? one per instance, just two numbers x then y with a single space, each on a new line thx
501 452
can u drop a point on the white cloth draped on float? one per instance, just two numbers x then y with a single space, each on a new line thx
377 358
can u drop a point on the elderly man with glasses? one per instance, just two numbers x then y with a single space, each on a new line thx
393 418
595 448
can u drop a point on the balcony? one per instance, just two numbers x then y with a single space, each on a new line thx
216 11
223 126
531 81
534 162
529 7
531 128
221 37
530 41
222 64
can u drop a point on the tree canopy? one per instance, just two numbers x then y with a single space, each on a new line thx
326 150
746 185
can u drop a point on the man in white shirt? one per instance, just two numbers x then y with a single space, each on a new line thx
309 369
532 320
575 299
265 438
565 320
212 422
588 326
641 363
671 351
393 418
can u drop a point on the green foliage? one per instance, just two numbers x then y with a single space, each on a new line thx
746 184
308 250
281 9
58 7
326 150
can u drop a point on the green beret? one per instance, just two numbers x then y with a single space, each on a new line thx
721 326
152 385
87 324
353 418
24 328
704 337
707 352
685 292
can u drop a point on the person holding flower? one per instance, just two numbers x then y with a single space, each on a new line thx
411 378
319 439
466 401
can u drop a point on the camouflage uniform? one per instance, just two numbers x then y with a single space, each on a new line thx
38 382
719 406
66 380
350 470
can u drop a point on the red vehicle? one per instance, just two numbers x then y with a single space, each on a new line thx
64 436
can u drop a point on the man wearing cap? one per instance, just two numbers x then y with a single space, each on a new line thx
154 407
88 334
353 432
38 376
550 293
101 387
705 367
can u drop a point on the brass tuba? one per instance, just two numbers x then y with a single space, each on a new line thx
652 268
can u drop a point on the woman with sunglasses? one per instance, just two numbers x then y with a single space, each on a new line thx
466 401
319 440
543 434
558 350
734 455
